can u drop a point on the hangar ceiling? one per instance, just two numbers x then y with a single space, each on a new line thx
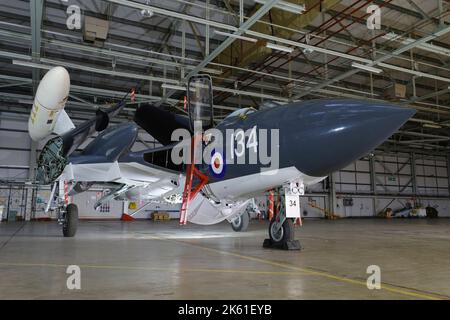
155 54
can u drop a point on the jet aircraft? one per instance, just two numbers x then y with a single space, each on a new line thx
223 165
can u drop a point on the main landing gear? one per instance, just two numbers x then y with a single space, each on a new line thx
69 220
281 232
241 222
67 213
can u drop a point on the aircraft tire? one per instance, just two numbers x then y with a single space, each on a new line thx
240 224
70 224
284 234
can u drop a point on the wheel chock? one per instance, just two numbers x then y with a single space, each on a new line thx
288 245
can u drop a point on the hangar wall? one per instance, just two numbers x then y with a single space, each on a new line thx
373 183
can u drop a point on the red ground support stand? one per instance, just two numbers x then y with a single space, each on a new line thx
191 172
271 206
126 217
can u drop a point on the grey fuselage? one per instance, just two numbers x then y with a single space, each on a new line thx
316 137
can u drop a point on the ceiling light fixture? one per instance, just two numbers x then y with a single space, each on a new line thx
173 87
367 68
433 126
147 13
278 47
424 46
226 34
286 6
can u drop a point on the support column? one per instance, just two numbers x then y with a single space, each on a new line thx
413 173
373 184
183 48
36 13
448 173
241 12
441 9
207 30
332 194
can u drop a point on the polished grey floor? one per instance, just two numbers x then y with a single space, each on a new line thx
161 260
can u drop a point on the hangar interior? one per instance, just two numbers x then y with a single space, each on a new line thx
292 51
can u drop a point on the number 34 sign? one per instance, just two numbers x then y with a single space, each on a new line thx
293 200
292 206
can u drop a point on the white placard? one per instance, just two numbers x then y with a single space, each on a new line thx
292 206
297 188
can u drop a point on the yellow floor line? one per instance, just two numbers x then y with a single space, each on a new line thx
312 272
304 271
87 266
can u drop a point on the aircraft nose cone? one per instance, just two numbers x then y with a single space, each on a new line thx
337 132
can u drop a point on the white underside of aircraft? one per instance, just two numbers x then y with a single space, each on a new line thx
150 183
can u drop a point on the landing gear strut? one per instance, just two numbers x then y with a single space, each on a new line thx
281 232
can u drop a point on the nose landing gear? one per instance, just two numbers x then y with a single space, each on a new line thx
281 232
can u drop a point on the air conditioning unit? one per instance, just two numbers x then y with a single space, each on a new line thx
95 30
396 92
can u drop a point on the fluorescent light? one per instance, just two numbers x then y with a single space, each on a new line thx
31 64
367 68
207 70
286 6
212 71
226 34
278 47
424 46
434 126
181 88
173 87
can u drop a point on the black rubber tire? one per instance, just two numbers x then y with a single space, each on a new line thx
287 230
244 221
70 224
431 212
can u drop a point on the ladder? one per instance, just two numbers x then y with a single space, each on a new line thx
190 193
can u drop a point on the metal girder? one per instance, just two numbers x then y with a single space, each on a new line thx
175 14
242 29
17 84
197 38
377 61
367 61
245 26
165 40
427 96
36 11
52 63
96 91
233 13
420 10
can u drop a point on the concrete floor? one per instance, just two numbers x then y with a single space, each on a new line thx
148 260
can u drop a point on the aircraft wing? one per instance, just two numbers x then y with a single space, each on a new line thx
131 169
